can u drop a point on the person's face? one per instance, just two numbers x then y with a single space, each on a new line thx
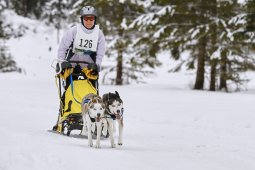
89 21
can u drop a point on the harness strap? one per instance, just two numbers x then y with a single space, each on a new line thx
114 116
86 101
111 115
69 52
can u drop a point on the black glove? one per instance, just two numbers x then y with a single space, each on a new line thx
64 65
93 56
94 67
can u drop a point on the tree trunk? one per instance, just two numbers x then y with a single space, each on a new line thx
213 75
199 84
7 4
25 8
119 80
223 71
120 46
119 69
213 62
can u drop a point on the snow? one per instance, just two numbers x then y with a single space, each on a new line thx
166 9
216 53
242 1
124 24
167 125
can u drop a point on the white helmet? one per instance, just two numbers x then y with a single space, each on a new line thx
88 10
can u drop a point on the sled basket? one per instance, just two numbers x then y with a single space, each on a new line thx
77 87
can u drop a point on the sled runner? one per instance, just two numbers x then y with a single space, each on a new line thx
73 84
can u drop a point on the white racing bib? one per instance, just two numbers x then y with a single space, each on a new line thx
85 42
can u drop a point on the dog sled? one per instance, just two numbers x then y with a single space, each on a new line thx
73 82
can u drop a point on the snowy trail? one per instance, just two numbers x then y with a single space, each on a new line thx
164 129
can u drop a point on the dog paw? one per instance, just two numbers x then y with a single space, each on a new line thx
120 144
113 146
104 132
90 144
84 133
97 146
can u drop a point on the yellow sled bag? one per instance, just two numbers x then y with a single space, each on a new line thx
74 95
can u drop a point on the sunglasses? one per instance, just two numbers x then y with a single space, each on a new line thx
86 18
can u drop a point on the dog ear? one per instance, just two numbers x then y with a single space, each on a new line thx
103 105
100 100
94 100
117 94
91 106
104 98
82 109
85 108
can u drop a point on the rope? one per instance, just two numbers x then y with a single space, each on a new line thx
58 90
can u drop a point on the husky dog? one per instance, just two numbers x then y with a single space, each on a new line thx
114 110
93 111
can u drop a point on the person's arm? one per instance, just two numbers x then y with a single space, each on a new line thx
65 43
100 49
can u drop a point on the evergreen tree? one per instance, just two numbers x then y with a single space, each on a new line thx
28 8
7 64
176 26
234 58
58 13
250 8
210 30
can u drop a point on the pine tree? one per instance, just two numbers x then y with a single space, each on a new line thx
57 12
7 64
225 43
232 46
174 26
28 8
250 8
208 29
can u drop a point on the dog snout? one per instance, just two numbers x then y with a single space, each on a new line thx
98 114
118 111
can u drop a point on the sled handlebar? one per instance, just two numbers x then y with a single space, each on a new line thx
78 62
58 67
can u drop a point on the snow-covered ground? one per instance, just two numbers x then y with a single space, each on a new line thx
168 126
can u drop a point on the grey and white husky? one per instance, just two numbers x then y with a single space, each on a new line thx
114 111
93 115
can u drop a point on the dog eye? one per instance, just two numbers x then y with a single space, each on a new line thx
113 105
119 104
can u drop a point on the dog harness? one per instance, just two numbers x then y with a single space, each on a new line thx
85 101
